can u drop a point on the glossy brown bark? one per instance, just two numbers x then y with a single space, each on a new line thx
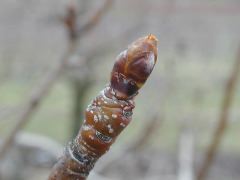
109 113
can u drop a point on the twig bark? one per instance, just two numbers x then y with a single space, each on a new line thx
223 120
110 112
42 90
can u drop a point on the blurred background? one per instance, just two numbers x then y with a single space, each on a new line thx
55 57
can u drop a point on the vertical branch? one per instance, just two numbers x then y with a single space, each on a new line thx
80 88
223 120
110 112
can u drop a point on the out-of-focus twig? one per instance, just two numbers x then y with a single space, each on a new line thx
149 129
94 19
146 134
77 31
42 90
223 120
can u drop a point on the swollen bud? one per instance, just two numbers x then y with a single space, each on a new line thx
133 66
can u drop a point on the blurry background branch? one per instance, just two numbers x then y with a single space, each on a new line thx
144 136
94 19
150 127
222 125
43 88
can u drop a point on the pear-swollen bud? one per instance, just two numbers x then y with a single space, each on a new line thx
133 66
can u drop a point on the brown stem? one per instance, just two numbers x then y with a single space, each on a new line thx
223 121
110 112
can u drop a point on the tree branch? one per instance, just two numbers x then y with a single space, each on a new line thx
93 21
109 113
223 120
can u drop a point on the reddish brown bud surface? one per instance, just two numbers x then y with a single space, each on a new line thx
133 66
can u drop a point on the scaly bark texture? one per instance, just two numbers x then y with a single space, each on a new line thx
110 112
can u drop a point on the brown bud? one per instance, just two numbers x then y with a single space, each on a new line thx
133 66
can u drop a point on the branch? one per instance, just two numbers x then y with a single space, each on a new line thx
110 112
223 120
93 21
145 135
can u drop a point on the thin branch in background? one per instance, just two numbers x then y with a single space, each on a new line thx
70 21
230 90
75 31
43 89
81 86
145 135
94 19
